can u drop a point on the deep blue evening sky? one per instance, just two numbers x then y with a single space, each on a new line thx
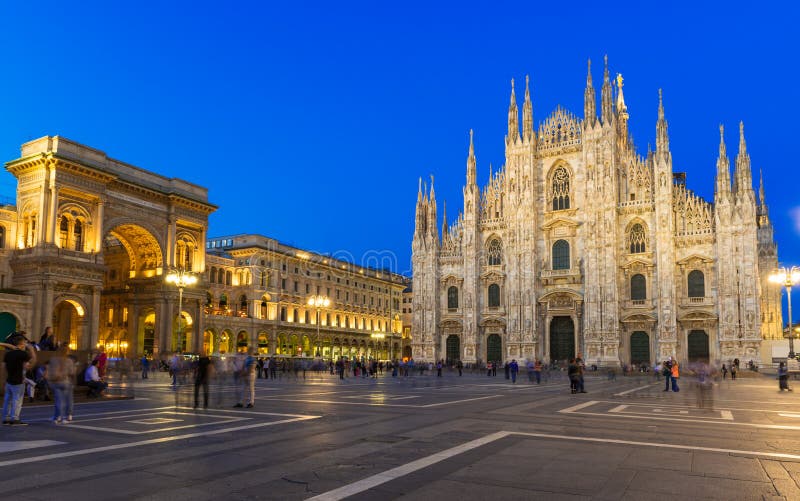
311 123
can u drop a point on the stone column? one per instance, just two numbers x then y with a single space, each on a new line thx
94 316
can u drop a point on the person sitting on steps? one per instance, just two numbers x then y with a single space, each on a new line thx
93 381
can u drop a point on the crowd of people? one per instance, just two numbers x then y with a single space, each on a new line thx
56 377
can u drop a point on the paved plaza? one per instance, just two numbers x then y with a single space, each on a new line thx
422 437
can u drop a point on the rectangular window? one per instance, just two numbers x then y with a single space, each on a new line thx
296 286
283 283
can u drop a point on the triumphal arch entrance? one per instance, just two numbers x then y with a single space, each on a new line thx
95 240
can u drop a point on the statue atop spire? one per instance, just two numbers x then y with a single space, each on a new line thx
662 137
606 101
471 163
620 97
589 98
743 177
513 117
527 113
723 185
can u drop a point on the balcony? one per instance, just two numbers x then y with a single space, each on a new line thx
570 276
641 304
697 301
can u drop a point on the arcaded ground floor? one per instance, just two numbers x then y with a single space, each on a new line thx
421 437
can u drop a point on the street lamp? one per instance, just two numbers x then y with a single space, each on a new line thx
318 302
787 277
378 336
182 279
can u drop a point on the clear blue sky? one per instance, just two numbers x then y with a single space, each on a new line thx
311 123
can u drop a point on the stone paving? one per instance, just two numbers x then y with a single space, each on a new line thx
423 437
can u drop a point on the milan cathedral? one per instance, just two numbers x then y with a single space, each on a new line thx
580 245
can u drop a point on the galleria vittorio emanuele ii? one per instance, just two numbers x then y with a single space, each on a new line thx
579 244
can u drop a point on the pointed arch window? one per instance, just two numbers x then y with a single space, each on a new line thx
494 296
638 287
494 252
560 189
452 298
561 255
697 284
637 239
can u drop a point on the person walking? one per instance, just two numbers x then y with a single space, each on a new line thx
667 372
507 370
513 369
573 372
201 377
674 374
439 368
581 370
61 370
724 372
734 370
247 381
460 367
537 371
19 352
145 366
783 377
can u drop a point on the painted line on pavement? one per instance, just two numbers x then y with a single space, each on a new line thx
578 407
365 484
22 445
786 414
632 390
116 447
400 471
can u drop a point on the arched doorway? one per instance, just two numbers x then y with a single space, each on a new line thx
67 317
494 348
241 342
208 342
697 346
562 338
225 342
640 348
452 349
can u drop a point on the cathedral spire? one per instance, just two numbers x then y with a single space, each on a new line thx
444 218
606 103
761 198
432 217
513 117
723 188
662 137
743 178
527 113
589 98
471 173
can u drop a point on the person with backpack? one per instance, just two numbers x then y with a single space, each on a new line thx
19 351
666 370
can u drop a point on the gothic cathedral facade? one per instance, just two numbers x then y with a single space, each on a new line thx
579 245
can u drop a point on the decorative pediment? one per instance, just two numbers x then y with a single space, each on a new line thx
451 280
695 259
450 323
639 317
696 315
492 321
637 265
492 276
560 222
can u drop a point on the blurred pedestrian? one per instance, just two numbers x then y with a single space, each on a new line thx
783 377
513 369
61 372
201 378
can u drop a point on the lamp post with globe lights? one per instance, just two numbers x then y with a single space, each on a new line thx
318 302
787 277
181 279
